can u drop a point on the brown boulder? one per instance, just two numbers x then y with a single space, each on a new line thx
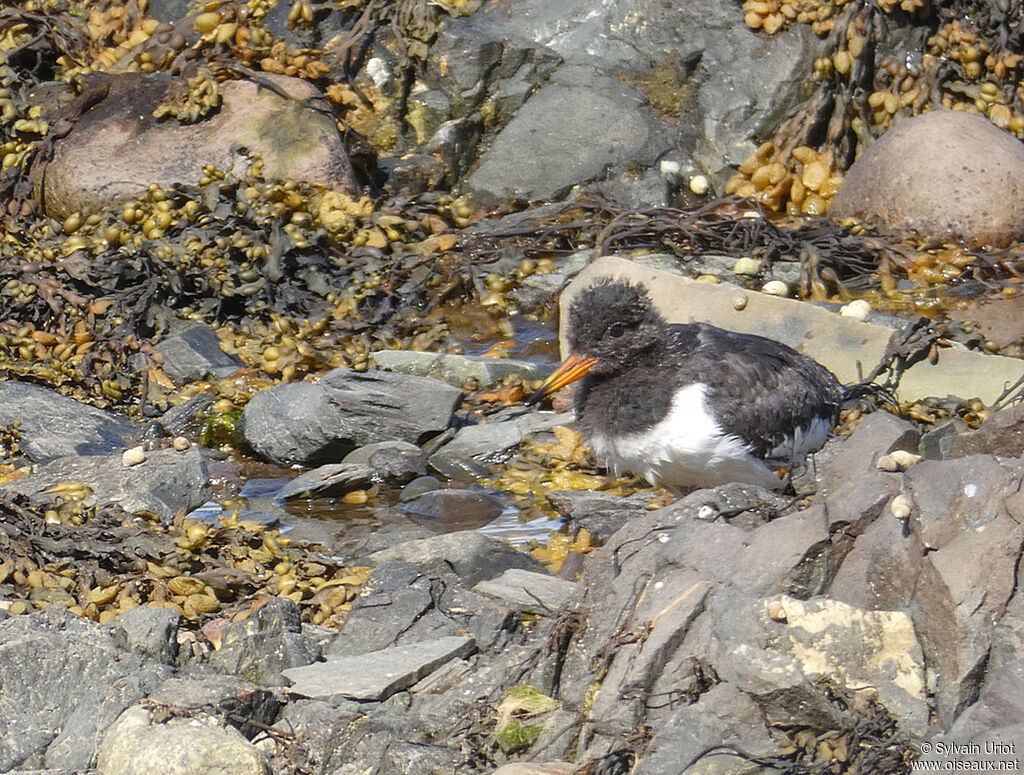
945 173
117 148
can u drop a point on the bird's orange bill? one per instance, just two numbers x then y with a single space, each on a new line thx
571 369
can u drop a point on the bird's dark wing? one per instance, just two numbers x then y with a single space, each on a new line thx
760 390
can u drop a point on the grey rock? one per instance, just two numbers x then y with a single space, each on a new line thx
239 701
779 686
392 600
455 369
724 716
529 590
392 462
328 481
401 603
749 90
150 632
166 482
537 289
261 647
195 354
379 674
53 426
475 445
855 490
56 712
453 509
179 746
317 722
471 556
562 136
950 566
420 485
186 419
1001 434
317 423
600 513
938 443
998 715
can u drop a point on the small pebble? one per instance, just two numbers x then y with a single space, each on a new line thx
777 611
133 456
699 185
901 506
775 288
739 301
857 309
747 266
708 278
181 444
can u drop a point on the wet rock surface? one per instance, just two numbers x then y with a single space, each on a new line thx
311 423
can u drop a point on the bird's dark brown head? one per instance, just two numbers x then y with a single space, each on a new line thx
614 322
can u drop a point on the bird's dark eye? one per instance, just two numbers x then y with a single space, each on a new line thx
616 329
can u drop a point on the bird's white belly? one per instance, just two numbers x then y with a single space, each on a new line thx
686 449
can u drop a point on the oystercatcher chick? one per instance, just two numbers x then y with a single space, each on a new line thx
689 405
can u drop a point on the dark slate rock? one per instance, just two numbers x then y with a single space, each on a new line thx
722 717
475 445
471 556
186 419
855 490
268 642
64 681
394 463
150 632
951 565
166 482
531 591
938 443
562 136
240 701
379 674
456 369
999 712
401 603
53 426
395 596
1001 434
328 481
600 513
195 354
317 423
420 485
450 510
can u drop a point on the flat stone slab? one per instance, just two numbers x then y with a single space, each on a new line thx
165 482
535 592
375 676
836 342
55 426
455 369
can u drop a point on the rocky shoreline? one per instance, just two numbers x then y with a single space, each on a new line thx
852 627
